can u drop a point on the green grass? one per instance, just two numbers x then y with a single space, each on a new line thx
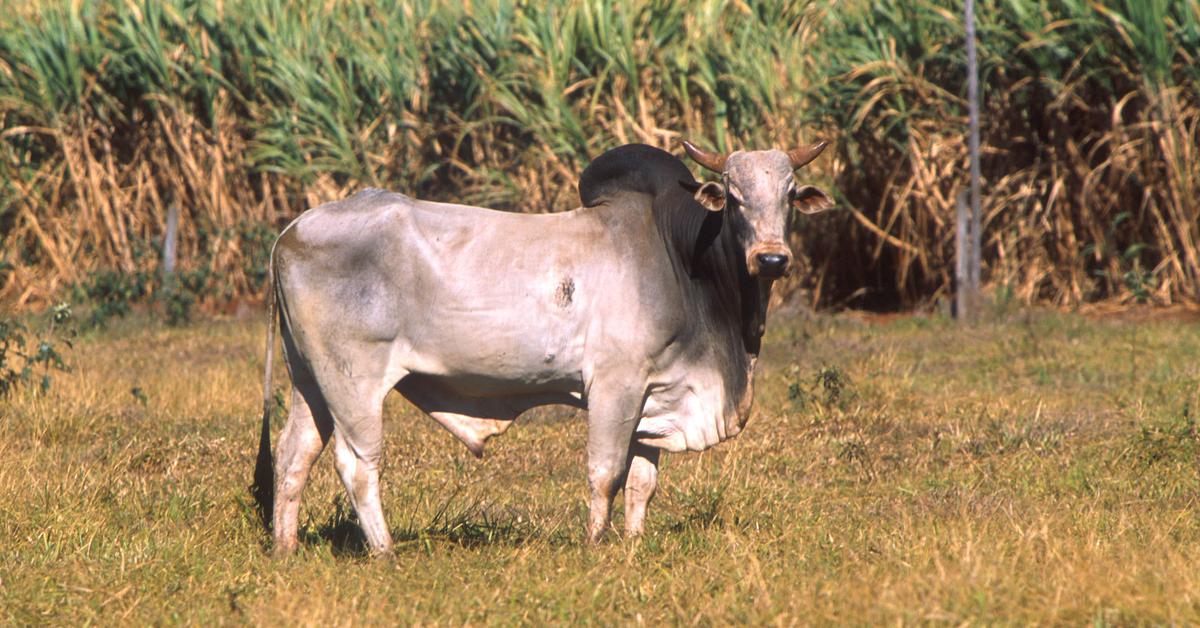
1037 468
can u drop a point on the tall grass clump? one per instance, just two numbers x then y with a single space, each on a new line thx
1091 120
250 112
246 113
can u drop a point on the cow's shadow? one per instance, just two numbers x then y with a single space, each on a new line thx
340 531
473 527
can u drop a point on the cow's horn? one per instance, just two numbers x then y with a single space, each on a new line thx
805 154
712 161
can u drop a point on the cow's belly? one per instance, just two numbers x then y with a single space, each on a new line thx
686 413
471 382
494 344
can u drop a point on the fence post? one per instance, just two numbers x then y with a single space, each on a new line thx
170 248
969 240
962 257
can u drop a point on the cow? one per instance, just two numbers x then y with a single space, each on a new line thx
646 307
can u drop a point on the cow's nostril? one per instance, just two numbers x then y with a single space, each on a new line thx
772 264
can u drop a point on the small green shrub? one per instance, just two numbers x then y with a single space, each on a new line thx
27 358
829 388
182 291
112 294
255 240
1174 440
834 384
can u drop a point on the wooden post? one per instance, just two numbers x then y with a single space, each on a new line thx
170 251
969 240
962 256
170 240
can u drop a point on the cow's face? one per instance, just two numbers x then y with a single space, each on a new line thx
760 190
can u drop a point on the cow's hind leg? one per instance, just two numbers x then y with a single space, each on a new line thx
303 438
358 448
640 483
359 471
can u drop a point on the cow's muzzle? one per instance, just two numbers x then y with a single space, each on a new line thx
769 263
772 264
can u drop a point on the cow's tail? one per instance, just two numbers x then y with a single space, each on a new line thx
263 488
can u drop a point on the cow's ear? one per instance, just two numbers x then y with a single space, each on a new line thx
711 196
810 200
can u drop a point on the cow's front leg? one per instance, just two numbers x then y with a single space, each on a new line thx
640 483
612 419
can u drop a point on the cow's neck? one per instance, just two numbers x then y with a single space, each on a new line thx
706 249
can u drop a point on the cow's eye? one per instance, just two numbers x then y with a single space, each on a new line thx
733 191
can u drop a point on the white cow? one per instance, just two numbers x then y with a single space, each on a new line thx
646 307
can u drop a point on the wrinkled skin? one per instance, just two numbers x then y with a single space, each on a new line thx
476 316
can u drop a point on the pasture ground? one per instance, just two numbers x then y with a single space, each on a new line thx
1037 468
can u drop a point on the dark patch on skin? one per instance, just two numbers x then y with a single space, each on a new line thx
565 293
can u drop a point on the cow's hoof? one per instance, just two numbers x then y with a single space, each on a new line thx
382 554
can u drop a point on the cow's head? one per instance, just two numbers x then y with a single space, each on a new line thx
758 188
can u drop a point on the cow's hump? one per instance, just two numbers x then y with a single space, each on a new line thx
633 168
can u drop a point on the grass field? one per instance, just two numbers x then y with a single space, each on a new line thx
1040 467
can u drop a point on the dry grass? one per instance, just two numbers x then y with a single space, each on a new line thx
1039 468
112 111
1089 127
